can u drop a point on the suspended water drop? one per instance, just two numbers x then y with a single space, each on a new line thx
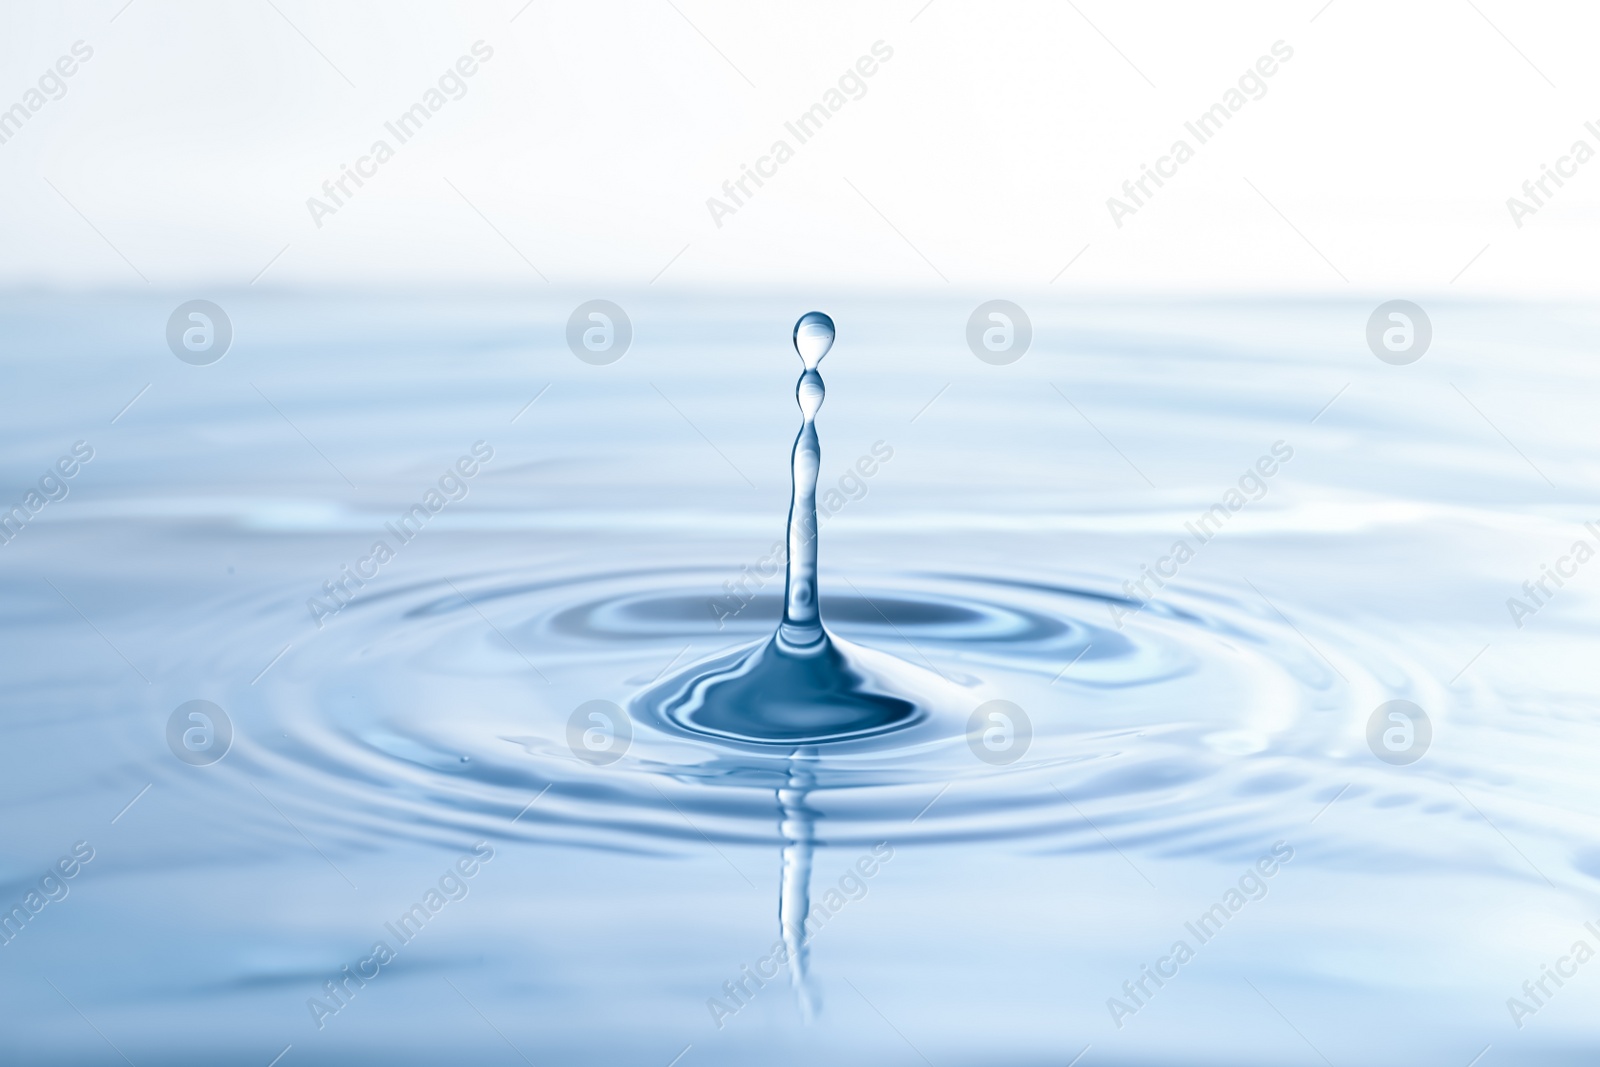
803 684
802 626
813 336
803 687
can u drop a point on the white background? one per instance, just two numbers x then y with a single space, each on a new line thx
981 156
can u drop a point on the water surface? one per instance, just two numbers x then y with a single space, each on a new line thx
624 525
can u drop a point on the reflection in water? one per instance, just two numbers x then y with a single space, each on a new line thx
432 711
802 683
797 824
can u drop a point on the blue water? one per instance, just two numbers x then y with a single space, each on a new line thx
455 764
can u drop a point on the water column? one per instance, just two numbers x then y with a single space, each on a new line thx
802 624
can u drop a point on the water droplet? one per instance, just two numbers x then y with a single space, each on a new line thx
803 687
810 393
813 336
803 684
802 627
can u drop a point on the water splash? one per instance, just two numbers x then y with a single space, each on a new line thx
1202 727
802 621
803 684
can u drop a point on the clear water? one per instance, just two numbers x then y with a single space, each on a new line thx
993 873
802 684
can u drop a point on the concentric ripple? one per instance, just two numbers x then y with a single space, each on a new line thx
450 703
